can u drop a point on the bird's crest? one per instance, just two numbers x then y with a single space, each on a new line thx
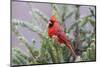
53 18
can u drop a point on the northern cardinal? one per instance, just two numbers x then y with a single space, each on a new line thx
54 29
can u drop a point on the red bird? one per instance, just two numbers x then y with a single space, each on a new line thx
54 29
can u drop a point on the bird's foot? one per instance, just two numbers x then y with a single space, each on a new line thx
55 38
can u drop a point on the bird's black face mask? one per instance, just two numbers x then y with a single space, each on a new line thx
51 23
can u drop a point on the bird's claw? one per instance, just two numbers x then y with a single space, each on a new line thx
55 38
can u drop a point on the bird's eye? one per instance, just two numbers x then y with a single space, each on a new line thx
51 21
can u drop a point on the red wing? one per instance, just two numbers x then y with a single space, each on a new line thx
62 37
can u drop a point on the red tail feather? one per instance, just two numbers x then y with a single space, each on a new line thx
70 49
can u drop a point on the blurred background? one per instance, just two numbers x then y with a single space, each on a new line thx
30 43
